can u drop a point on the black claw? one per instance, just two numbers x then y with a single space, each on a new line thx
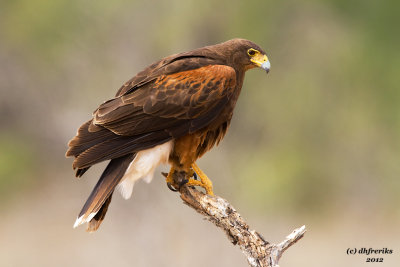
184 181
171 187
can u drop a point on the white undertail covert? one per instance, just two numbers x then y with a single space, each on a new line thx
143 167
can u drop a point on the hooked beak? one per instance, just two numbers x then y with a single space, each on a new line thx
266 65
262 62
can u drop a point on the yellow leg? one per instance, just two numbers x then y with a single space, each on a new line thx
204 182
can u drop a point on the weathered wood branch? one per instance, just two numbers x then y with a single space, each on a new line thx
259 252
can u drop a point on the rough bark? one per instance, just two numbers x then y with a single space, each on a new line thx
259 252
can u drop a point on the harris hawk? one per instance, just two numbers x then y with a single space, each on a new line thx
173 111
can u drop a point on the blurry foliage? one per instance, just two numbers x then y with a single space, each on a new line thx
16 163
320 130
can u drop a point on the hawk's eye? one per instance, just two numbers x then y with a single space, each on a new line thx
251 52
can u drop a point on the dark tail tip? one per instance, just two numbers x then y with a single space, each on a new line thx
94 223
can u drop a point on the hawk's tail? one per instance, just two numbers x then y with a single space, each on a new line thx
96 206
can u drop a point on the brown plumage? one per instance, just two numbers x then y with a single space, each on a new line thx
181 104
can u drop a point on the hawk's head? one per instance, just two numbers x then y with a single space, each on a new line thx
245 54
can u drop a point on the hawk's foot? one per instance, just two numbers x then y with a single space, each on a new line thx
169 178
177 179
204 182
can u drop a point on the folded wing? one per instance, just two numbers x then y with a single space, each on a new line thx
168 107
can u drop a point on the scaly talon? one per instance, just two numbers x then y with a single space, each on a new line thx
196 173
170 187
204 182
170 180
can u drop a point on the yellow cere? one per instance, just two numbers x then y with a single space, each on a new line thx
259 59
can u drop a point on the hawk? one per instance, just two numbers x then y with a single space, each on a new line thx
173 111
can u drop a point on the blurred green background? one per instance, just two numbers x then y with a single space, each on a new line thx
315 142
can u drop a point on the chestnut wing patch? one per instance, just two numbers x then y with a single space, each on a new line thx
178 103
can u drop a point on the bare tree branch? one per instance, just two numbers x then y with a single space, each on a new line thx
259 252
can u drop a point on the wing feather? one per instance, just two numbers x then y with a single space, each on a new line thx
171 101
168 107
